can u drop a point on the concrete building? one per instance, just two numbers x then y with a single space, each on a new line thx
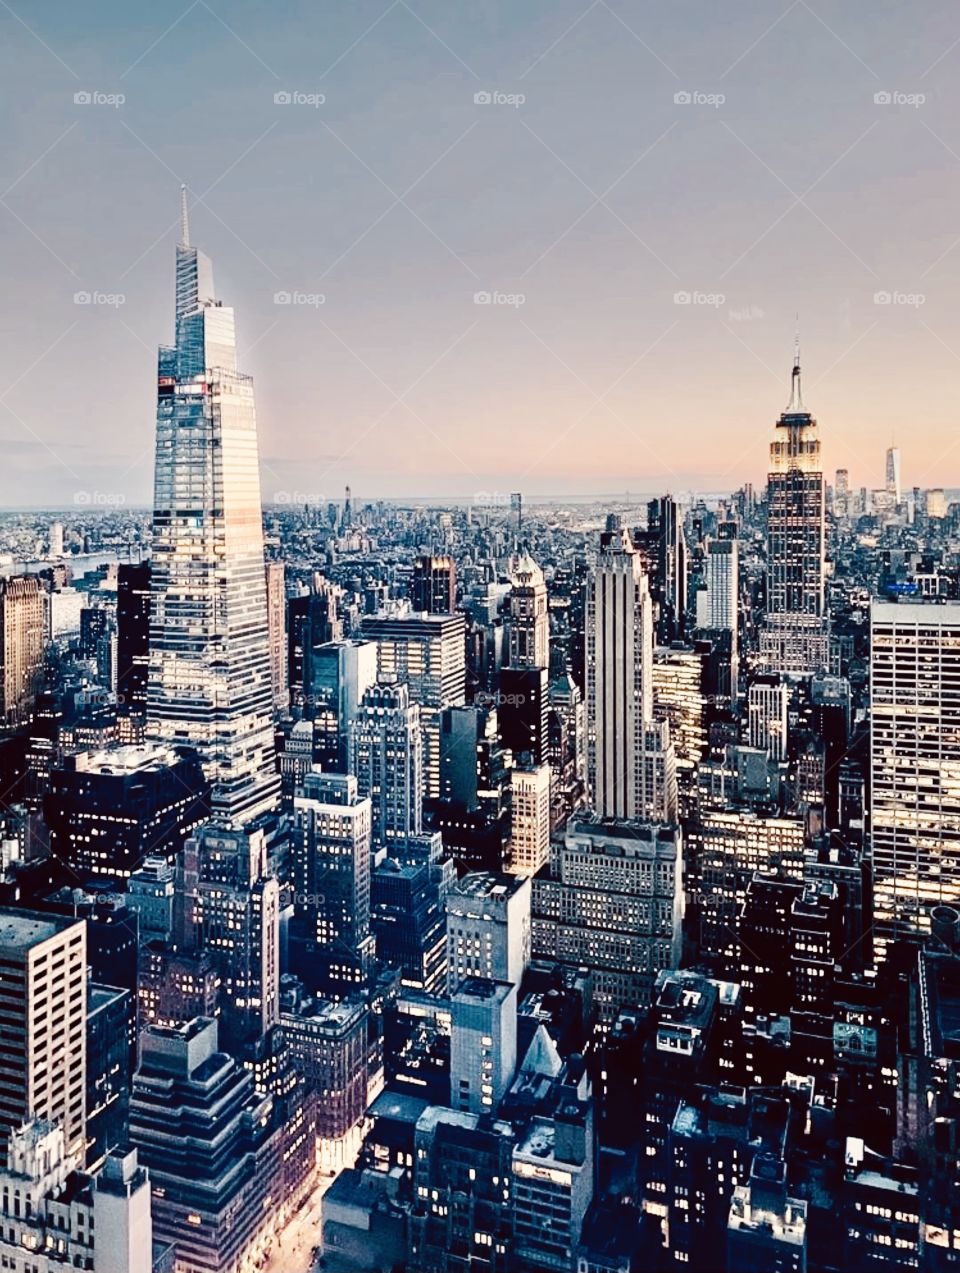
612 902
767 1229
768 703
483 1043
619 662
914 763
530 820
43 1024
212 1147
55 1216
426 651
24 632
386 754
488 928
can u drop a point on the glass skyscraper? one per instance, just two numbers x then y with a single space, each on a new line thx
210 676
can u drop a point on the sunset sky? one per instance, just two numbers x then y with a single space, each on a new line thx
788 184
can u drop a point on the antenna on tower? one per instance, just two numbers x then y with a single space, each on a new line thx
796 397
184 221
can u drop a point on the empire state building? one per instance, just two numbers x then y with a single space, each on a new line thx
795 640
209 683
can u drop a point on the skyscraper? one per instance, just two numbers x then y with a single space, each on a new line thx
133 634
23 634
428 652
914 763
619 676
210 679
277 629
893 473
386 754
43 1023
529 624
434 585
795 640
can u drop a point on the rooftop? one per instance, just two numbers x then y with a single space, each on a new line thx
21 930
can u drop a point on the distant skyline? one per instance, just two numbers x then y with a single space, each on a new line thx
821 184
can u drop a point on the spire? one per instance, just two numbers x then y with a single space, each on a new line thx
184 222
796 397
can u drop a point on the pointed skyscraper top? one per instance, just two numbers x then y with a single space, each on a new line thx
795 405
184 221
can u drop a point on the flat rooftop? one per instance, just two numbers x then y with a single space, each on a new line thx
20 930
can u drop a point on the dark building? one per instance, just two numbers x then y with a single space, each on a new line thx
523 708
106 811
434 585
111 1052
133 633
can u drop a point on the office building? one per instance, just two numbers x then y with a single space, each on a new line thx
619 632
434 587
331 858
210 683
483 1043
386 754
428 653
43 1024
211 1145
768 705
488 928
528 623
340 673
277 633
892 475
612 902
914 760
53 1215
228 906
529 819
795 638
133 634
107 810
24 633
312 620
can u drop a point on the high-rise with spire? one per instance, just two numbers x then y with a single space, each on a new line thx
209 679
795 640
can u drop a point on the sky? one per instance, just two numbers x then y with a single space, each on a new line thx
554 246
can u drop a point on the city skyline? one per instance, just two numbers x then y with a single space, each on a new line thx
814 198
